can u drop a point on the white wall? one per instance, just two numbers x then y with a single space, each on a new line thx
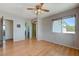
19 33
39 28
45 30
9 29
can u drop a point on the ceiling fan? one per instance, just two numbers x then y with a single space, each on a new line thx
38 9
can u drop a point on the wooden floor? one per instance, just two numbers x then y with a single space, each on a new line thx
36 48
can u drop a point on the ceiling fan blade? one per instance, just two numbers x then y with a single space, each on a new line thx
45 10
30 8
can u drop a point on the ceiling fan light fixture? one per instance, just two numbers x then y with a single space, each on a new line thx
38 11
35 12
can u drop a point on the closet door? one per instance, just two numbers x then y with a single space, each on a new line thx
1 31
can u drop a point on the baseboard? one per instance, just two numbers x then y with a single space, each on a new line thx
63 45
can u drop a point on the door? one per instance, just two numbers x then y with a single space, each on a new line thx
1 31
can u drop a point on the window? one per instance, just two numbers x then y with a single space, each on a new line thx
65 25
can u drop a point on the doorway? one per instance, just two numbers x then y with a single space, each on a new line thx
1 31
8 30
34 30
27 32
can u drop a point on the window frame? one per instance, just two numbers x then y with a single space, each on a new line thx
62 26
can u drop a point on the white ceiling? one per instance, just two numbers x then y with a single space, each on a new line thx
20 9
